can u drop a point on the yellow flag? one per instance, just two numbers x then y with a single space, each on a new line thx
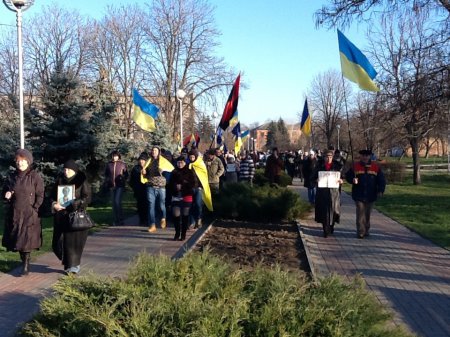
200 170
164 166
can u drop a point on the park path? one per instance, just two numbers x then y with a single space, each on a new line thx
406 272
107 252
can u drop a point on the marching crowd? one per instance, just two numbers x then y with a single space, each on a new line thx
181 184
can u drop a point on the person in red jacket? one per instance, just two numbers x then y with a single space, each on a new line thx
368 183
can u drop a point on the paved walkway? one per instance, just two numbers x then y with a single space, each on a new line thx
405 271
107 252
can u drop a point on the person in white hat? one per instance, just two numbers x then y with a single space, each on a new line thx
308 168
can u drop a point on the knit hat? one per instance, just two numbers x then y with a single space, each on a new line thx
25 154
143 156
181 158
312 152
70 164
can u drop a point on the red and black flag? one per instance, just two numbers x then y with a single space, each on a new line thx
192 140
231 105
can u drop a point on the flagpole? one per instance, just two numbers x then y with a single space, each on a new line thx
348 119
215 135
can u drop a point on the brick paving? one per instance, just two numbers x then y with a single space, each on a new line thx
406 272
107 252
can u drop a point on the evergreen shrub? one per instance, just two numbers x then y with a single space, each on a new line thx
201 295
258 203
260 179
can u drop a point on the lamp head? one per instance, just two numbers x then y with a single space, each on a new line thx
16 5
181 94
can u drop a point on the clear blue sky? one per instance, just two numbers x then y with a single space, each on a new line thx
273 43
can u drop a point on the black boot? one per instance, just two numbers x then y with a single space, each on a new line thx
25 257
326 230
176 224
184 226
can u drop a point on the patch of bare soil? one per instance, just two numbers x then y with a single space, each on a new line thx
248 243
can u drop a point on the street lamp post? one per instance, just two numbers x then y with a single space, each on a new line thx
338 127
18 6
180 95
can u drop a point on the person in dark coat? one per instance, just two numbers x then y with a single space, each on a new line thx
181 186
368 184
274 166
116 175
309 182
24 193
67 244
197 207
328 199
140 189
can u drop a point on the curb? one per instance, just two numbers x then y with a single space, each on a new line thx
314 273
192 241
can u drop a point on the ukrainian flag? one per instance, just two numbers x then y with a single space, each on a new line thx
305 124
145 113
201 172
163 164
355 65
238 142
234 120
244 135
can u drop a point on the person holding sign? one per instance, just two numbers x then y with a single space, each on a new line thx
328 175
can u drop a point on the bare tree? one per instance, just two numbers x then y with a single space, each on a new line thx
55 38
118 50
412 58
342 12
326 100
182 36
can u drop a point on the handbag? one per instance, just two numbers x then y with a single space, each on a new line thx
80 220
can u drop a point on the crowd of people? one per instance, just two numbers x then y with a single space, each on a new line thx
180 184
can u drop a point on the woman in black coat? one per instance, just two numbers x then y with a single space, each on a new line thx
67 244
181 186
24 192
328 200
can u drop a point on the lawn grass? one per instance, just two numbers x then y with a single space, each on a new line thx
422 208
100 213
422 160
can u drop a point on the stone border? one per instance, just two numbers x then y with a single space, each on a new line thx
312 267
193 240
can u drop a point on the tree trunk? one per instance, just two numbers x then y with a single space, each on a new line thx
416 164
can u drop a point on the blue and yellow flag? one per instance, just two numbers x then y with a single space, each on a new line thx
305 124
163 164
238 140
355 65
201 172
244 135
234 120
145 113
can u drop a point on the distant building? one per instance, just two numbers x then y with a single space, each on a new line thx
259 134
